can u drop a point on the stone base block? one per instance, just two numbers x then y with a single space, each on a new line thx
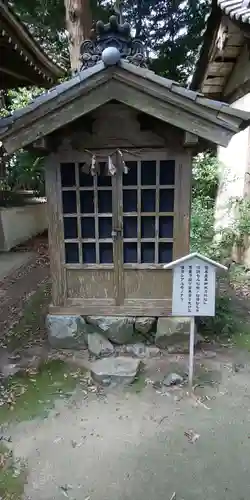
119 330
67 332
120 370
173 334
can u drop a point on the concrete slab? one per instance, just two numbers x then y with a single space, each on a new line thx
11 261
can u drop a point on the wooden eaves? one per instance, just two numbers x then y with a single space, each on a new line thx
134 86
227 29
22 60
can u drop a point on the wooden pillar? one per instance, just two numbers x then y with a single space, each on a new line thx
183 184
55 232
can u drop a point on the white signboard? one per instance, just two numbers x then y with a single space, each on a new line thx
194 283
193 288
193 293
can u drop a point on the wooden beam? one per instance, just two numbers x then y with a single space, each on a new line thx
41 144
190 139
180 98
53 121
130 308
19 76
93 78
171 114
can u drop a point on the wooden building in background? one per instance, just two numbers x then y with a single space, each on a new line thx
22 60
223 72
118 140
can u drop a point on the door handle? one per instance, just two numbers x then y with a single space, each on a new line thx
116 233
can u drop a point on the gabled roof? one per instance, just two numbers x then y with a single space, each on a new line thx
225 38
191 256
23 62
134 86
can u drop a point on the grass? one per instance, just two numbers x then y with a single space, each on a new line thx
33 396
138 385
13 475
241 339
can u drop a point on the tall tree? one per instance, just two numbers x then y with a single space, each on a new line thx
78 23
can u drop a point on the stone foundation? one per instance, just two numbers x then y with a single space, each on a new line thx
104 336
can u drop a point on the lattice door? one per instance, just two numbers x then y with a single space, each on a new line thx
87 213
122 223
148 212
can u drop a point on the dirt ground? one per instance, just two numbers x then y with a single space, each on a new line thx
131 443
17 288
143 442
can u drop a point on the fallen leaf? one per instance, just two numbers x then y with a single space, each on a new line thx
192 436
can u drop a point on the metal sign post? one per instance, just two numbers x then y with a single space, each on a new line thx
194 285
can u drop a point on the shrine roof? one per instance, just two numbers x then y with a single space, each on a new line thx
192 256
120 74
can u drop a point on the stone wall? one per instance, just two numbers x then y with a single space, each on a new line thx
18 224
107 335
234 175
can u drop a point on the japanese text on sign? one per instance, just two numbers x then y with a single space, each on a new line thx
194 288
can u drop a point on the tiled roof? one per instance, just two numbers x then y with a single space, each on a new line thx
174 87
212 120
237 10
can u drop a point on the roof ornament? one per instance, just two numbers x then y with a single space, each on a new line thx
115 36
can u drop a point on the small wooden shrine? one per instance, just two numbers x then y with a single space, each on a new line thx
118 142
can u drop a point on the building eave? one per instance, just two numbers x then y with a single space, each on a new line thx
134 86
237 10
30 53
213 23
225 39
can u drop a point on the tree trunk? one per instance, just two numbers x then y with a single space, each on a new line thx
78 23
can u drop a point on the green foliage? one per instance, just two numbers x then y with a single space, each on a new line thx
23 170
204 239
204 190
45 20
223 323
241 224
171 31
26 172
227 321
13 475
20 98
205 178
35 396
202 227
